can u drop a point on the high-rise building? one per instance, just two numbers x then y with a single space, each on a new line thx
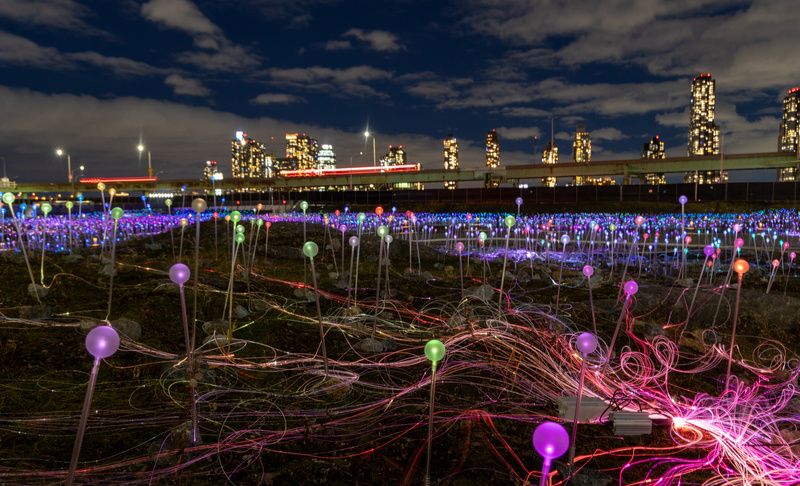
582 151
788 140
395 156
249 158
703 130
303 149
211 171
450 159
654 150
550 157
326 159
492 158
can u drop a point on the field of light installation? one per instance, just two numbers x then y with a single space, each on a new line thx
389 347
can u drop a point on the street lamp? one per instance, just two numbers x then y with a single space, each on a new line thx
60 152
141 148
366 137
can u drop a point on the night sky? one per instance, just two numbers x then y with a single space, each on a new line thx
94 76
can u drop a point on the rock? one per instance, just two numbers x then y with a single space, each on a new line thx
108 270
153 246
353 311
483 292
333 275
34 289
35 311
218 326
304 294
652 330
130 329
370 345
74 258
685 283
240 312
216 340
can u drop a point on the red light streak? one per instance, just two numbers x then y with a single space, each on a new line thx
351 171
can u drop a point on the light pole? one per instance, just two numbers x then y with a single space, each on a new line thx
60 152
141 149
366 137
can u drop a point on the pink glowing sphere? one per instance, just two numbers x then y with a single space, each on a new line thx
631 287
639 220
588 271
459 247
550 440
737 227
739 242
775 263
102 342
792 256
785 245
179 273
268 224
688 240
336 213
586 343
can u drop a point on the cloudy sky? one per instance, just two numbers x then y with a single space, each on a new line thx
184 75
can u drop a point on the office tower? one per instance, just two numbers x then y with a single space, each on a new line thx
492 158
703 130
450 159
550 157
654 150
788 139
303 149
395 156
211 171
248 157
326 159
582 151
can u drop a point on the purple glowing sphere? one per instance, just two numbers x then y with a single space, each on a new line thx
342 228
179 273
518 201
631 287
683 200
353 241
459 247
102 342
708 250
586 343
550 440
588 271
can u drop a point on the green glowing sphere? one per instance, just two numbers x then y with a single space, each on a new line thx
434 350
239 238
46 208
260 222
8 198
304 206
361 217
310 249
482 236
239 229
117 213
612 226
236 216
69 204
168 202
382 230
510 221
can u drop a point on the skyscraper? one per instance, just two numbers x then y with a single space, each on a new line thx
788 140
326 159
654 150
211 171
703 130
550 157
492 157
303 149
395 156
582 150
248 158
450 159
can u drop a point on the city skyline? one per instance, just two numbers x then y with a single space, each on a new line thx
182 75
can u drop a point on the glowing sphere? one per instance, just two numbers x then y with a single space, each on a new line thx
388 239
518 201
239 229
588 271
101 186
683 200
336 213
565 240
379 211
361 217
792 256
775 263
482 236
510 221
184 222
102 342
639 220
741 266
199 205
586 343
688 240
168 202
382 230
227 218
550 440
708 250
631 287
737 227
310 249
342 228
8 198
434 350
117 213
259 222
69 205
459 247
179 273
236 216
46 208
612 227
304 206
269 224
738 242
239 238
353 241
112 192
259 206
785 245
